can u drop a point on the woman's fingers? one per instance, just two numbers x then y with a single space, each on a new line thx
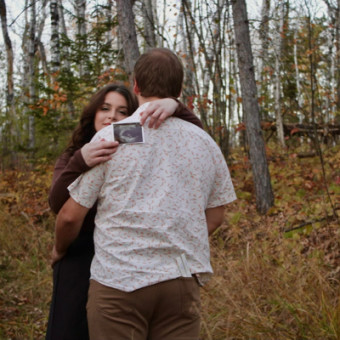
158 111
157 117
97 152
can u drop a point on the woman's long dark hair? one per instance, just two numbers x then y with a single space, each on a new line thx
85 129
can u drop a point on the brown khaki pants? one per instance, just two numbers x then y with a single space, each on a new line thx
168 310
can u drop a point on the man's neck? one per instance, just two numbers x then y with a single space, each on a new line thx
142 100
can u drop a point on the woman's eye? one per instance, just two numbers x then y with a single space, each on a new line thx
123 113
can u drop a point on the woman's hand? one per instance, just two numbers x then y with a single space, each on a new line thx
98 152
56 256
158 110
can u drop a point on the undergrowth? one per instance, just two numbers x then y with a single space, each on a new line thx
276 276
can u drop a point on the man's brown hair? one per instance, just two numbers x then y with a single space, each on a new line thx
159 73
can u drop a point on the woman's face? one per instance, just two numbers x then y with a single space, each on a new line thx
114 109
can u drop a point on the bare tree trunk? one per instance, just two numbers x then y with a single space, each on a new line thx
128 34
232 85
263 189
9 55
278 60
161 28
217 31
10 110
337 44
108 34
65 64
42 56
64 52
297 75
331 109
190 63
264 36
149 24
39 44
188 49
31 68
25 69
55 46
334 13
80 7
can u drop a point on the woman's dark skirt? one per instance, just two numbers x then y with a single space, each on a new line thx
67 318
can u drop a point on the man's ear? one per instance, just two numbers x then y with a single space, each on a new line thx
135 88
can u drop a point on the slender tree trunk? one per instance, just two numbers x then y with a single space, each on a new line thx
25 70
263 189
128 35
65 65
231 97
331 77
188 50
42 56
297 75
264 36
334 12
40 48
9 54
80 7
191 64
108 34
10 110
64 52
161 28
55 46
149 24
31 68
337 44
278 60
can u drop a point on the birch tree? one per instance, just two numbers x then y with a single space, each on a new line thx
261 176
334 13
205 24
108 34
65 64
297 73
9 56
64 52
80 8
10 109
55 45
263 60
279 34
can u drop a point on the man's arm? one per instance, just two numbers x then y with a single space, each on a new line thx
68 224
214 218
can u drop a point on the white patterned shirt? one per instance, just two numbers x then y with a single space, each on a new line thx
152 199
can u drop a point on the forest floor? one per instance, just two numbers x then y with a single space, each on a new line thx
276 276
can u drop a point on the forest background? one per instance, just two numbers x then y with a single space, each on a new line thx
266 85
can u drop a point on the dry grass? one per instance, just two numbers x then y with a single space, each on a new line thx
25 240
269 289
268 283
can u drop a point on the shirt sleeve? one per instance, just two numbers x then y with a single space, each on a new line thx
86 188
66 170
222 190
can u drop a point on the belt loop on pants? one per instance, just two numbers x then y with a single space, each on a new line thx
197 279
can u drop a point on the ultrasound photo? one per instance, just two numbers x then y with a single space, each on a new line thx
126 133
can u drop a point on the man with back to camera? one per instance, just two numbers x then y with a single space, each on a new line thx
157 203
